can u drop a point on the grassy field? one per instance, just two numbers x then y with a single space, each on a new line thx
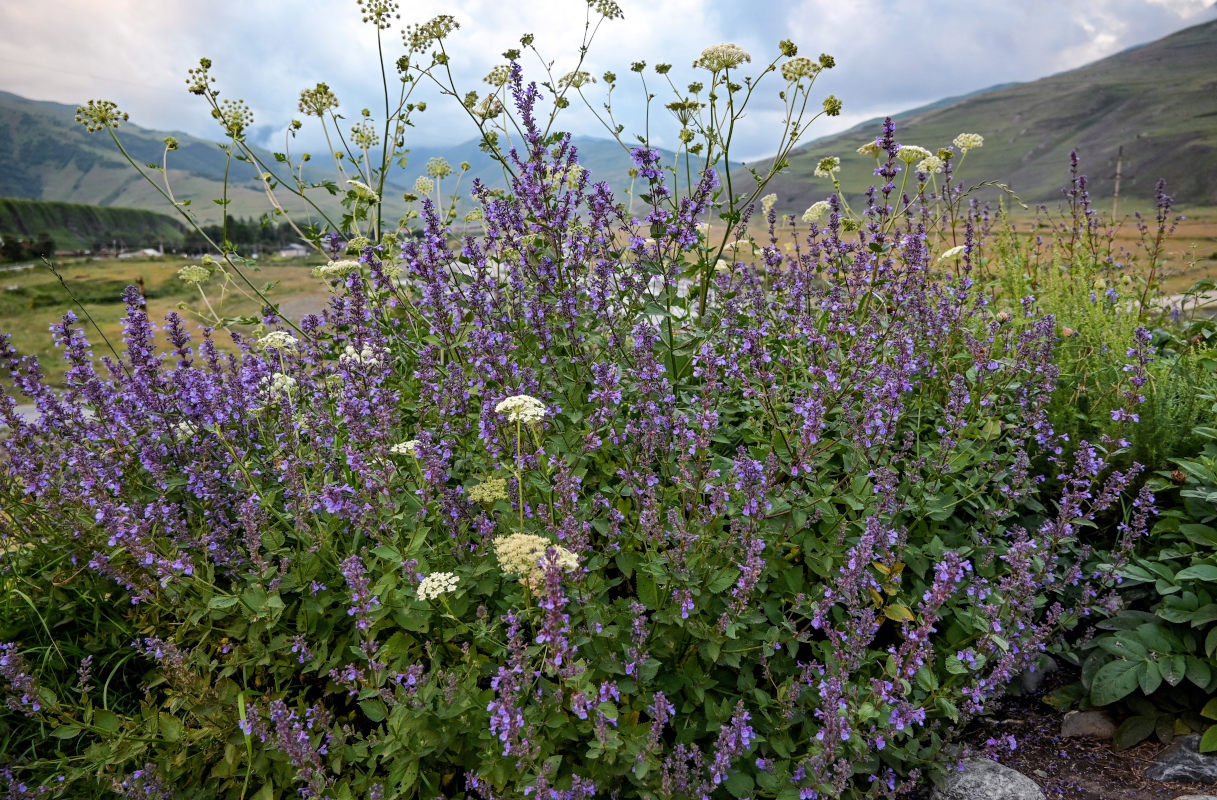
32 299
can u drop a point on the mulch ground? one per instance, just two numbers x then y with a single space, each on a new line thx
1073 768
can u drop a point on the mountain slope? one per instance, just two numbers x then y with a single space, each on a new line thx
46 155
1157 101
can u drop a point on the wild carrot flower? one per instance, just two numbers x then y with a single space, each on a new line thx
722 56
767 202
363 191
406 448
336 269
798 68
930 165
817 211
910 153
522 408
276 340
423 186
521 554
968 141
436 584
489 491
827 167
870 149
193 274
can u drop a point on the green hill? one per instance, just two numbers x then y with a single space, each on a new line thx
46 155
1157 101
74 226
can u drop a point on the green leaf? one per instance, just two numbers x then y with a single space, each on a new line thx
1210 709
1202 572
1173 669
1149 676
1208 742
1133 731
223 601
740 784
65 732
106 720
1113 681
1198 672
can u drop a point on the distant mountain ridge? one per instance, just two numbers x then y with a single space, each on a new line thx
46 155
1157 101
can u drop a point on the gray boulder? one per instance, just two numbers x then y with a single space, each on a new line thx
1183 762
985 779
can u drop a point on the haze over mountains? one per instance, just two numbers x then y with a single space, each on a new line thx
1158 102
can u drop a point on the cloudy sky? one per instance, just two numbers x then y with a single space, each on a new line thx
891 55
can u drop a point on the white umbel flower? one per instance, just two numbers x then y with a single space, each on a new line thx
522 408
767 202
827 167
911 153
722 56
336 269
276 340
407 448
817 211
930 165
436 584
969 141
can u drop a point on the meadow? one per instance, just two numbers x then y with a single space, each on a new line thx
699 501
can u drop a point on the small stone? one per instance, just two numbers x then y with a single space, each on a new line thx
1197 797
1030 680
1039 773
1183 762
985 779
1095 724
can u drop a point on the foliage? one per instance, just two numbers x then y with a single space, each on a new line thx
585 505
1156 655
1124 373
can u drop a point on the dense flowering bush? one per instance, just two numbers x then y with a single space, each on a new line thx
777 532
591 504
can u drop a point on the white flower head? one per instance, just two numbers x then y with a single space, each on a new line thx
423 186
870 149
280 383
910 153
798 68
364 355
722 56
817 211
276 340
436 584
827 167
194 274
406 448
767 202
363 191
522 408
930 165
489 491
336 269
969 141
522 554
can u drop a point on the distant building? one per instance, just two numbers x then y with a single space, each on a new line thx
293 250
146 252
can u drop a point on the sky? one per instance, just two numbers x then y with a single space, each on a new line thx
891 55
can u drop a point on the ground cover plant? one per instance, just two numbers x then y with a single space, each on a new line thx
593 503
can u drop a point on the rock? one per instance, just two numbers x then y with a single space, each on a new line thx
1088 723
984 779
1197 797
1183 762
1030 680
